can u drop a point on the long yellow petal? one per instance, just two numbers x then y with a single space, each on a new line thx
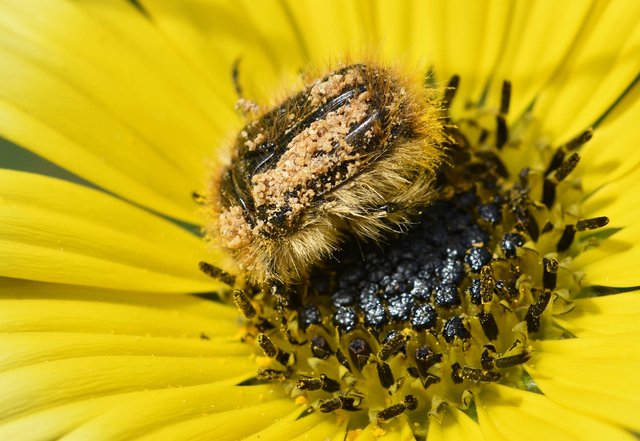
289 426
455 426
38 386
213 35
612 153
141 135
60 232
603 63
614 261
594 376
603 316
544 31
136 412
225 426
527 416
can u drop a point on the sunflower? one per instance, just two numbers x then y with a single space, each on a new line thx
110 331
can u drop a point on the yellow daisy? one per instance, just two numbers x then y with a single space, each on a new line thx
110 331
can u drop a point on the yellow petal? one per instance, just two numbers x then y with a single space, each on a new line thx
616 200
27 348
211 102
594 376
455 426
527 416
603 63
160 410
225 426
290 426
544 31
19 315
38 386
136 412
460 38
60 232
213 35
141 135
603 316
326 429
612 153
614 262
328 34
103 364
191 305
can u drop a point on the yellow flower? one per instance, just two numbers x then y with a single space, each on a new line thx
100 338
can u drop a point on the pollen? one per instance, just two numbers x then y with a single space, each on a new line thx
421 319
325 164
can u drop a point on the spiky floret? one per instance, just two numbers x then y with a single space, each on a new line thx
355 152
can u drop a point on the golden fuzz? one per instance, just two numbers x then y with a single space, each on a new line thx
354 152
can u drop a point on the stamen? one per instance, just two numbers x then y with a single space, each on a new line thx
489 325
450 91
592 224
555 162
235 77
567 167
271 375
502 132
309 384
487 284
549 274
217 273
512 360
341 402
473 374
579 140
272 351
453 328
243 303
425 358
505 97
320 348
566 239
392 345
385 375
428 313
410 403
359 350
535 311
548 192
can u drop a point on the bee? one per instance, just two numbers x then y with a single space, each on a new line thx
354 153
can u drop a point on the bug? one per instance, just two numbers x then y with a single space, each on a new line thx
354 152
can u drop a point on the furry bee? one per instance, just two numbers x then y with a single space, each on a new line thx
353 153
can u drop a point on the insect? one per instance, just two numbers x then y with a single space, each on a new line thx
353 153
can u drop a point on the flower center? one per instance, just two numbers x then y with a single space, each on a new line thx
423 319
